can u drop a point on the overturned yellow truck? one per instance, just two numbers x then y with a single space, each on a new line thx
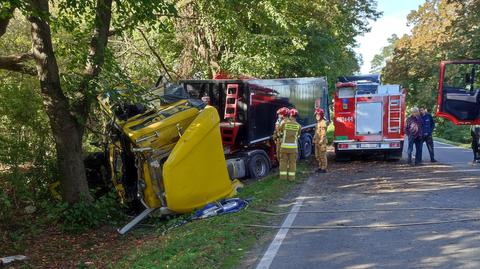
167 157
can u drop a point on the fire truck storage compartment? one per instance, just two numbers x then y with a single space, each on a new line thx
257 103
368 118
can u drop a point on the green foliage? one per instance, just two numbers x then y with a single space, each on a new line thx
5 205
26 145
86 215
442 30
379 60
264 39
447 130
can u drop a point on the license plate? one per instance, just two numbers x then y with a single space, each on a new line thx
368 146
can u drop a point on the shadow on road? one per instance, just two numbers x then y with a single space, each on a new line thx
361 185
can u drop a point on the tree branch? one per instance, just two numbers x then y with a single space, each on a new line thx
96 54
152 49
16 63
5 19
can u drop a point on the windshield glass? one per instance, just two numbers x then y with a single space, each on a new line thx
462 76
367 88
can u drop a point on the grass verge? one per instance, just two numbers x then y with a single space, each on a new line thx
218 242
443 140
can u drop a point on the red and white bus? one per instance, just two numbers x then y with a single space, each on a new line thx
369 117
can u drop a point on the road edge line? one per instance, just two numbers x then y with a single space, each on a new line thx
277 241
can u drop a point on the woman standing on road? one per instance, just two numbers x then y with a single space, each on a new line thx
413 130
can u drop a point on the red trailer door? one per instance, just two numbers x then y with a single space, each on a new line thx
459 92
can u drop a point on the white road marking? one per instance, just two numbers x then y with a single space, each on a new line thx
455 171
272 250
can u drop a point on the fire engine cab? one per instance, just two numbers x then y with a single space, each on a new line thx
369 117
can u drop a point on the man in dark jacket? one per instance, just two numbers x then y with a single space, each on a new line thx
413 129
427 126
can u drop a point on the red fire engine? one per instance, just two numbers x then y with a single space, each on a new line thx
369 117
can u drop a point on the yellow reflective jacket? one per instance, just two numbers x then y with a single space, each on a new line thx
277 134
290 130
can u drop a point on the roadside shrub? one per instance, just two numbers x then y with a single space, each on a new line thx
87 215
5 205
447 130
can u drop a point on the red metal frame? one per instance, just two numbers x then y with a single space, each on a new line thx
440 93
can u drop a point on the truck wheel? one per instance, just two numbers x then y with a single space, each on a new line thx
305 146
258 165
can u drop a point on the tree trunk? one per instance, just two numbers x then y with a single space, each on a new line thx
66 131
95 58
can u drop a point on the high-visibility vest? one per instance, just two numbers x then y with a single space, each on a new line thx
291 131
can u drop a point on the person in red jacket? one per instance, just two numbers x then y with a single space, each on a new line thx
413 129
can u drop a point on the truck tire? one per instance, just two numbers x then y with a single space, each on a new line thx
305 145
258 164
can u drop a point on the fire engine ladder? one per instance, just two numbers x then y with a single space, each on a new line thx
394 113
229 128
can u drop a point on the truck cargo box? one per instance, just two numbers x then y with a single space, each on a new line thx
258 101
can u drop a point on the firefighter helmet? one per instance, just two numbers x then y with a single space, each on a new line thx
320 112
293 112
283 111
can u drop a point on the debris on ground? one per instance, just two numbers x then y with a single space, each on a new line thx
10 259
225 206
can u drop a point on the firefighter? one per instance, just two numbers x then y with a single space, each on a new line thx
320 141
290 131
282 114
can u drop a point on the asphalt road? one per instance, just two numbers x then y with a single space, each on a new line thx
457 157
367 185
